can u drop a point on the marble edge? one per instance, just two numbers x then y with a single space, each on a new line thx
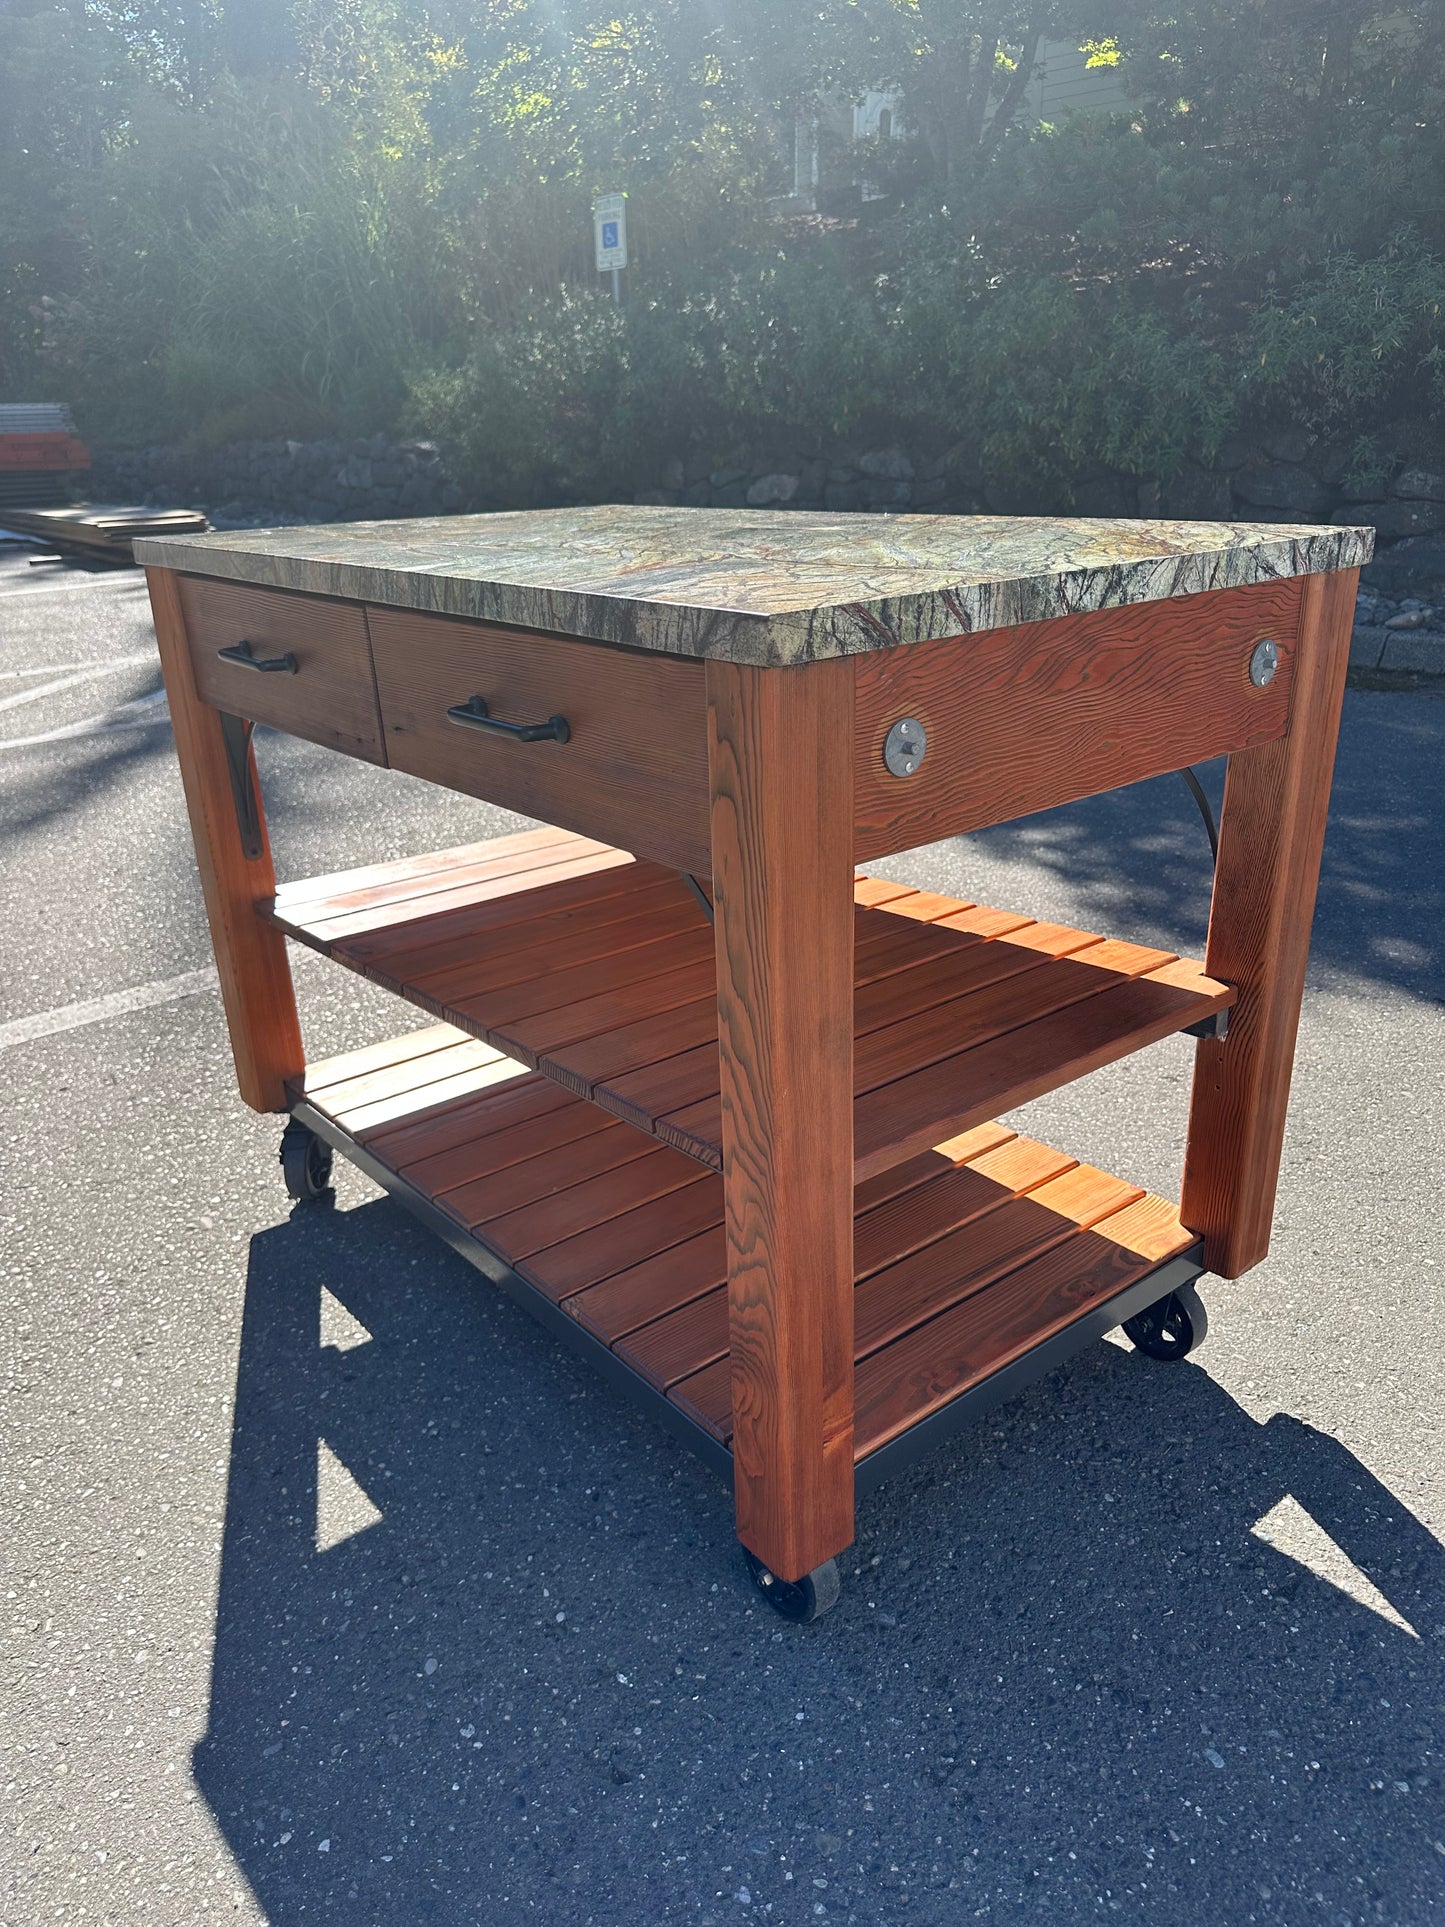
786 638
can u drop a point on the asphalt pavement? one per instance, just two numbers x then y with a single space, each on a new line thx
336 1593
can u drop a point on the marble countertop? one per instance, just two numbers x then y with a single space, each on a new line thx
757 585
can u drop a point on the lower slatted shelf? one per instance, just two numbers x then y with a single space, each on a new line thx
968 1256
598 971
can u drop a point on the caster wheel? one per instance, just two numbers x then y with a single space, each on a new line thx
800 1600
305 1162
1170 1329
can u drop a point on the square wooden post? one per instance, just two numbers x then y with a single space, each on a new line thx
780 753
1276 799
251 960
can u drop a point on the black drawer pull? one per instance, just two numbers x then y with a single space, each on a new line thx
473 713
244 655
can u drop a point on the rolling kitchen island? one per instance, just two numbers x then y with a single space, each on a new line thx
711 1097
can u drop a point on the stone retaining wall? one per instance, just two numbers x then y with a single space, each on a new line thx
263 484
1281 477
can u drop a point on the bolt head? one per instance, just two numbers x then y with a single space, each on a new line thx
905 746
1263 663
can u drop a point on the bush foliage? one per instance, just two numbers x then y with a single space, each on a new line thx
334 216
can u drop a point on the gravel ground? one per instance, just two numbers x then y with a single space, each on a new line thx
337 1593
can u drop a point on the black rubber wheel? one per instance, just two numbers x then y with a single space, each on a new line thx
801 1600
1171 1328
305 1162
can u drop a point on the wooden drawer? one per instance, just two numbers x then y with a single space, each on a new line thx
1024 719
330 698
633 771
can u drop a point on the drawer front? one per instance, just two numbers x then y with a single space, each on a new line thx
1025 719
331 696
633 771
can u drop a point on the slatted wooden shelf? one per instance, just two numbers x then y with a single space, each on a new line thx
597 971
967 1255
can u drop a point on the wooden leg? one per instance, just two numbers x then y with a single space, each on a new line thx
782 845
1276 799
250 955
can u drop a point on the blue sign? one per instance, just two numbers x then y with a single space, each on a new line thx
609 234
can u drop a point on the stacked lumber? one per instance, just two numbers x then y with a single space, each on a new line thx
105 533
42 459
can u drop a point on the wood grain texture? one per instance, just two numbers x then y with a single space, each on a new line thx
1024 719
255 975
985 1330
509 880
1027 1062
782 872
331 699
608 984
1276 800
434 938
635 769
294 899
963 1256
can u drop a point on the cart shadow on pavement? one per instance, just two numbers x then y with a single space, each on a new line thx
1066 1673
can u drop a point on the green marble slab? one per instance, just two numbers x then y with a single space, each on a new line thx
757 585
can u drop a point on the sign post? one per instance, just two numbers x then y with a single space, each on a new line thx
609 233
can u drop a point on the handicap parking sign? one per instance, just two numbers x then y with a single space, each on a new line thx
609 231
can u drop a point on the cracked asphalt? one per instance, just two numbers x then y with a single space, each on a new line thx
335 1593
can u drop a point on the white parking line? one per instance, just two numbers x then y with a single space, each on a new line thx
68 588
96 1010
132 715
62 668
87 674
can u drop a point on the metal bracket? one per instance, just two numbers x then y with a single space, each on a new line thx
1206 810
702 896
1215 1025
236 732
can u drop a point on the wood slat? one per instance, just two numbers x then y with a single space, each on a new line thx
684 1341
412 895
327 1071
645 1234
964 1254
528 957
414 1105
410 1074
541 1177
1025 1063
422 952
517 1234
985 1326
532 912
296 897
606 982
326 935
651 1286
527 1096
483 1156
934 1363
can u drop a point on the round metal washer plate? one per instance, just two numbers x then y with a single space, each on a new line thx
904 746
1263 663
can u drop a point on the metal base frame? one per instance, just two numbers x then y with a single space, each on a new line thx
871 1472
